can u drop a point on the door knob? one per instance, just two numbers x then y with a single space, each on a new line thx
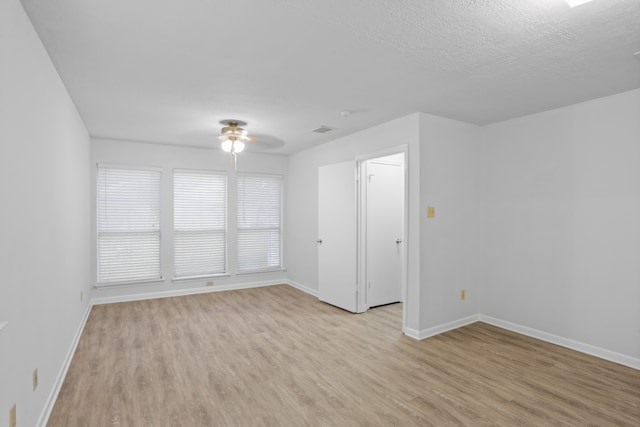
398 241
319 241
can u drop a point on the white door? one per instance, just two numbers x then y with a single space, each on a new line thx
384 216
337 278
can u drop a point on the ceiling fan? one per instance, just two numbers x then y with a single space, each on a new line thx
233 136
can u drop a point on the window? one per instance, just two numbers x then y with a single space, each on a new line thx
128 225
200 223
259 222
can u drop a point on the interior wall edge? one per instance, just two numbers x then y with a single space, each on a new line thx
303 288
57 385
441 329
183 292
602 353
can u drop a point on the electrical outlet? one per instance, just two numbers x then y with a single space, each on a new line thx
462 294
210 283
35 379
12 416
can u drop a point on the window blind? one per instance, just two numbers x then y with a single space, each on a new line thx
128 224
259 222
200 223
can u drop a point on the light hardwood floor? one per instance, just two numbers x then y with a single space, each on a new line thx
275 356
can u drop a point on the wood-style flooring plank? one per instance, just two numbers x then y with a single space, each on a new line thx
275 356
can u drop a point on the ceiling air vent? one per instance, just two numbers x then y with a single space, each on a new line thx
324 129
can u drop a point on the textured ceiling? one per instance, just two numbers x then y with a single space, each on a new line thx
167 71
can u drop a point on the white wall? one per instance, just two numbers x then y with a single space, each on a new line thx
301 213
549 204
168 158
561 206
449 242
44 220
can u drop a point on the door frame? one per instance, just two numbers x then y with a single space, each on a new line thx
361 195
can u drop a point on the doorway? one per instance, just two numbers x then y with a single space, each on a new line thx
362 231
382 225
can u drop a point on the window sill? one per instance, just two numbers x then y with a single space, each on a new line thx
159 281
206 276
255 272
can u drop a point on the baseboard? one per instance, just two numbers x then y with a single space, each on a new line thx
439 329
183 292
57 385
303 288
412 333
602 353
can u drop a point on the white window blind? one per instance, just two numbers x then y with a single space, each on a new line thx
200 223
128 222
259 222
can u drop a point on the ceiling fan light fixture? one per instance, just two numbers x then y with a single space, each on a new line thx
227 145
233 131
238 146
233 136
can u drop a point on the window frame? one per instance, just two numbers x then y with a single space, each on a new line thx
225 272
280 266
127 282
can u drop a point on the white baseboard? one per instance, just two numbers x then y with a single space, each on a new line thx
57 385
303 288
412 333
602 353
426 333
183 292
609 355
